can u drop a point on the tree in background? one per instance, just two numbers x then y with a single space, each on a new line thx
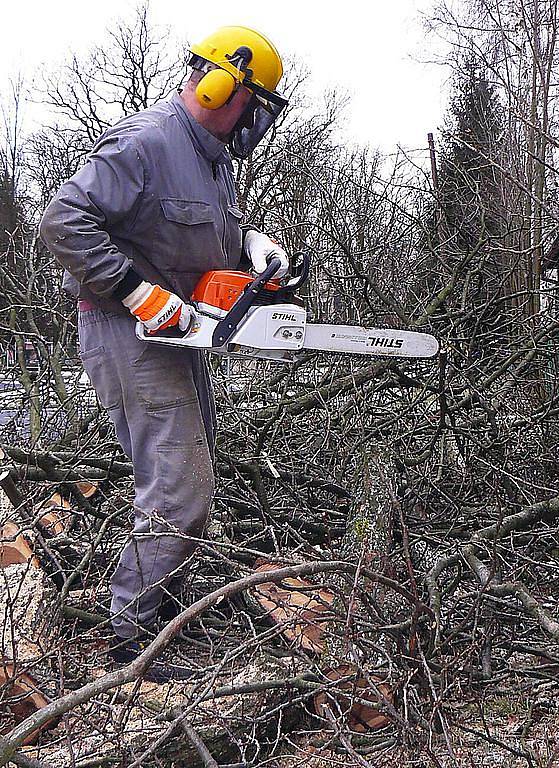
12 181
514 43
469 223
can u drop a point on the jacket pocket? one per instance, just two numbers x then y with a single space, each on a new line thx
187 211
186 238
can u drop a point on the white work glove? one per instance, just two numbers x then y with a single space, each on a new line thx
157 308
260 249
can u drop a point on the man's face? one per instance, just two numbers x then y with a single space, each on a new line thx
224 119
219 122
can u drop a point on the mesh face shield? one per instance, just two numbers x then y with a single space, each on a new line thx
258 117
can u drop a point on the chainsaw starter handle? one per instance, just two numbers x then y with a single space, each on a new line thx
227 327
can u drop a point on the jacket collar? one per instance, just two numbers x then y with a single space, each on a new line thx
209 146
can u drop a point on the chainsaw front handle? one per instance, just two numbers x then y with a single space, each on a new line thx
299 273
227 327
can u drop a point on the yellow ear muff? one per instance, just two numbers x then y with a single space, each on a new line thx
215 88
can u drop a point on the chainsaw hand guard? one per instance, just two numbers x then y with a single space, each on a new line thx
227 327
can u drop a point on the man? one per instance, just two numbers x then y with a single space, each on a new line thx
153 208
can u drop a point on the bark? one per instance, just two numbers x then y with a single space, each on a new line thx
368 541
30 617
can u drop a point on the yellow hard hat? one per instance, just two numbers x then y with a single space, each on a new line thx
233 57
225 49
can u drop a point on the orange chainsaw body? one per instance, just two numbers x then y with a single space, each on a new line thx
222 288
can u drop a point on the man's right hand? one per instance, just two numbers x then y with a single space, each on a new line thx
157 308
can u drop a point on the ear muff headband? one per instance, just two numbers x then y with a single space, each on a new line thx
215 89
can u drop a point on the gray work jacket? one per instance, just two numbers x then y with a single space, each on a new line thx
156 192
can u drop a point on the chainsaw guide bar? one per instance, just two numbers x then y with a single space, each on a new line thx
379 342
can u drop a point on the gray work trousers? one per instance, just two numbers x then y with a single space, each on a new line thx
161 404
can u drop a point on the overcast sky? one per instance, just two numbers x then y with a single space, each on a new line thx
372 49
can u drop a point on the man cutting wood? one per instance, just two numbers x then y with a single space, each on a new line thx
152 209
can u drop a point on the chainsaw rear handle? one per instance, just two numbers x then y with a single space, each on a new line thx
227 327
300 273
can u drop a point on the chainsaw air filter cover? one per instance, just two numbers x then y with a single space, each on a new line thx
222 288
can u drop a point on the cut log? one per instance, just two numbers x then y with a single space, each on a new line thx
298 606
56 509
87 488
351 636
303 610
226 724
14 547
56 514
350 700
20 697
30 621
29 615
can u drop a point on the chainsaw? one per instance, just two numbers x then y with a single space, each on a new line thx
238 315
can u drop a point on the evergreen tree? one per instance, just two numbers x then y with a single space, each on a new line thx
469 174
467 223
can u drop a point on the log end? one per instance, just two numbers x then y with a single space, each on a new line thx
298 606
20 696
14 547
354 699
